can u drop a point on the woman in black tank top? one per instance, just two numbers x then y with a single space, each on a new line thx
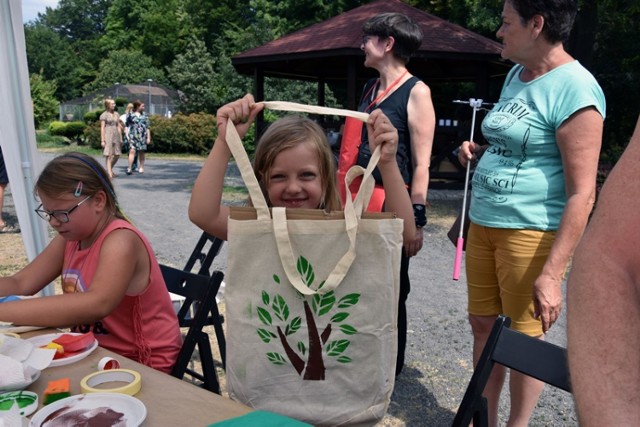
389 40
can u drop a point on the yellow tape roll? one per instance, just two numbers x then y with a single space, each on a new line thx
133 378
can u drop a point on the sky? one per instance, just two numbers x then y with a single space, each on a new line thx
30 8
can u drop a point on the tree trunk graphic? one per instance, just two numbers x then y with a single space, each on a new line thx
315 363
296 360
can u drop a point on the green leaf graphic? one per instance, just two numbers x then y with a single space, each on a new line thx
276 358
335 348
344 359
265 335
322 304
276 278
280 308
302 348
339 317
348 300
306 271
265 298
293 327
264 316
348 329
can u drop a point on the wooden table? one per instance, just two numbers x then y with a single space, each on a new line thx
169 401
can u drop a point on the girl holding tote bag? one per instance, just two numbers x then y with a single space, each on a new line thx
318 186
312 291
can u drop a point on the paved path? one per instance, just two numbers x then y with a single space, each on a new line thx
439 340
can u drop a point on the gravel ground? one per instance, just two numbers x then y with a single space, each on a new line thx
438 361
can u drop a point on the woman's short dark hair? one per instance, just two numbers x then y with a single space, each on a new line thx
406 33
558 15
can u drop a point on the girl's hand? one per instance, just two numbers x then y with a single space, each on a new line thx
382 133
241 112
469 151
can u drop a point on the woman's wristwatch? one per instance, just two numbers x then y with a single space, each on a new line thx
420 214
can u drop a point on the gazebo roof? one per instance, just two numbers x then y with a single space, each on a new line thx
327 49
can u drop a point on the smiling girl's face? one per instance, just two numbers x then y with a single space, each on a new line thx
294 179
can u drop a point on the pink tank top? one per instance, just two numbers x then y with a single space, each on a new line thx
143 327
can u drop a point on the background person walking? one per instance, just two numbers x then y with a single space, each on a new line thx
110 136
138 134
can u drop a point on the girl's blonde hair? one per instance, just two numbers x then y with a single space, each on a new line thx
289 132
79 174
107 102
129 108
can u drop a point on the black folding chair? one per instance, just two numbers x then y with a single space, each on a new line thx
199 293
533 357
207 248
205 251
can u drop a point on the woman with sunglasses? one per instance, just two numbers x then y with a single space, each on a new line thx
111 281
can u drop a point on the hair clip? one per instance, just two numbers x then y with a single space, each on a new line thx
78 191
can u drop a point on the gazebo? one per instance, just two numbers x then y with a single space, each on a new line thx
329 53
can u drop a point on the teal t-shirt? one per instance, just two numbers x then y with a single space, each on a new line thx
519 181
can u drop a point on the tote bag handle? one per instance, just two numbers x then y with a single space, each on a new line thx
352 211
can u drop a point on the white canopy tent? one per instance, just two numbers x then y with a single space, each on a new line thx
17 130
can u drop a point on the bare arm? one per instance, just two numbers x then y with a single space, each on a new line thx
37 274
205 208
603 305
121 247
102 125
396 196
579 140
422 123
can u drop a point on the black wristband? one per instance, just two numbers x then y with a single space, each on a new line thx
420 215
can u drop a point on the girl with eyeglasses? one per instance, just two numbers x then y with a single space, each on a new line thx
111 280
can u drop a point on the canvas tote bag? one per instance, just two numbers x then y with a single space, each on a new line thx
311 302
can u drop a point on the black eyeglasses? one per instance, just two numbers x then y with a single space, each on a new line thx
61 216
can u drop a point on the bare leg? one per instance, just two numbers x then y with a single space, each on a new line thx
107 161
481 327
114 160
132 154
141 161
525 392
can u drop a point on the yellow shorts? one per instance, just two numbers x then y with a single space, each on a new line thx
502 265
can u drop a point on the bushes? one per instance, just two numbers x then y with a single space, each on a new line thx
192 134
71 130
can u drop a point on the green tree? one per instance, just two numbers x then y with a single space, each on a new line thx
192 72
45 105
126 67
50 55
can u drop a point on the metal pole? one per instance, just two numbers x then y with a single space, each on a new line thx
149 91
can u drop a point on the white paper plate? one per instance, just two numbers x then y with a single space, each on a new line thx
78 410
46 339
23 385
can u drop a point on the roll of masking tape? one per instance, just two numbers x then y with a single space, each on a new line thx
132 378
107 363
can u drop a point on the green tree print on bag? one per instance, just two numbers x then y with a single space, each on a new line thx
274 313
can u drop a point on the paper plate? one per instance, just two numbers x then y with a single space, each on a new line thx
65 360
92 409
23 385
